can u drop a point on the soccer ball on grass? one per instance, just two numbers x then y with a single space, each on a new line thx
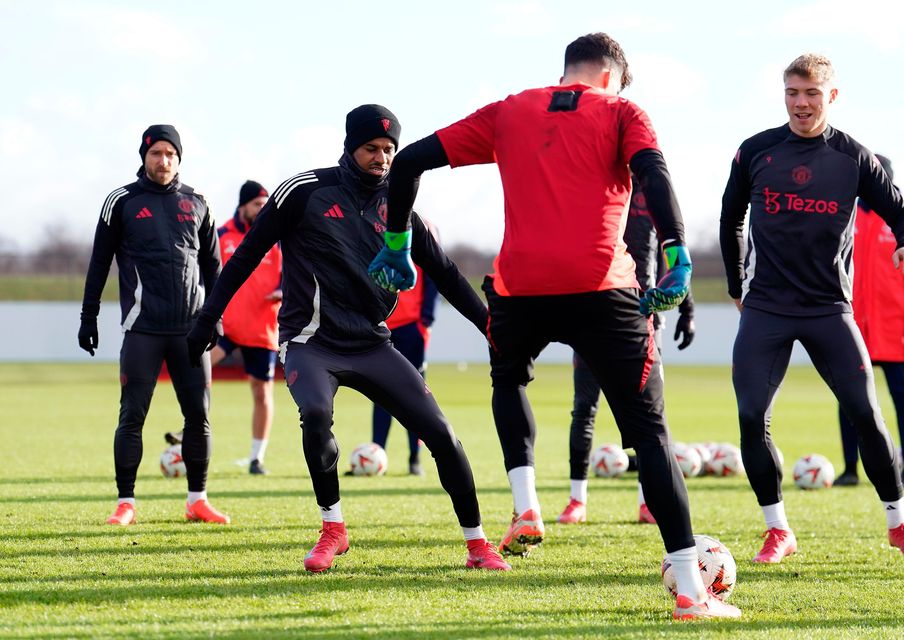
171 463
717 568
369 460
609 461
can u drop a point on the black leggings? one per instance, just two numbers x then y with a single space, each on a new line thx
762 351
607 330
140 360
384 376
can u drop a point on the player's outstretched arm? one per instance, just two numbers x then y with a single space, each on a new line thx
392 267
653 178
106 240
264 233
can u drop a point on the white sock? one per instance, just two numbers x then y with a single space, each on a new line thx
474 533
775 516
687 574
524 489
194 496
332 513
258 449
894 512
131 501
640 499
579 490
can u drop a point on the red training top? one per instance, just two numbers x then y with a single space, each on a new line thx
566 183
878 293
250 318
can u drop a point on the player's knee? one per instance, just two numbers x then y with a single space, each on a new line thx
316 418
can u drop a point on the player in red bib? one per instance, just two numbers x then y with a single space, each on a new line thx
565 155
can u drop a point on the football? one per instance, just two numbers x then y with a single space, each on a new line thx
171 463
717 568
725 461
609 461
814 472
688 459
705 455
369 460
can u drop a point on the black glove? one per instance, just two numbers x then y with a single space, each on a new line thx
87 335
202 337
685 326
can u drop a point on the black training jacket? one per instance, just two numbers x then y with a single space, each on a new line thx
165 243
330 224
802 194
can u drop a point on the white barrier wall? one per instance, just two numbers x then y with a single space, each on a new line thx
46 332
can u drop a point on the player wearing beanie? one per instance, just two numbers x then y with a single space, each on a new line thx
163 236
332 324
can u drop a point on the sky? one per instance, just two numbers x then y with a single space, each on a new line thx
260 90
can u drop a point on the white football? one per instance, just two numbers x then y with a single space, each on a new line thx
369 460
171 463
688 459
717 568
814 472
705 454
609 461
726 461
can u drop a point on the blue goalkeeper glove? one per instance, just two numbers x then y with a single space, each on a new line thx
393 268
672 289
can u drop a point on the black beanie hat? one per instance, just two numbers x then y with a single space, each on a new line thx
369 121
156 133
886 164
251 190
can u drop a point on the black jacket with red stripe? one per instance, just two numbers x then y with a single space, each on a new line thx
165 243
330 224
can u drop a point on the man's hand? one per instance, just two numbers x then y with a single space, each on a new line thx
685 330
87 335
672 289
274 296
738 304
202 337
392 268
898 259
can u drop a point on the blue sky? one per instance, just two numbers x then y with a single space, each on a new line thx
260 90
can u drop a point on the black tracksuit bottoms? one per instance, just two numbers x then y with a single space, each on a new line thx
382 374
762 351
140 360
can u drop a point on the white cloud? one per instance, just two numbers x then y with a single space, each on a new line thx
136 32
522 19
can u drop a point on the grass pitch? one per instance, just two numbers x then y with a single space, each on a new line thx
64 574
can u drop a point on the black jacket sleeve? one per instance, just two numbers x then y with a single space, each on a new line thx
107 237
731 222
268 228
427 254
652 175
209 252
405 178
878 191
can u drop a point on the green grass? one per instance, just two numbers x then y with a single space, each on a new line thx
63 574
71 287
51 287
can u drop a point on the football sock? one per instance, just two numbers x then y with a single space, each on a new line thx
640 499
473 533
579 490
775 516
524 489
687 574
258 449
130 501
194 496
893 512
332 513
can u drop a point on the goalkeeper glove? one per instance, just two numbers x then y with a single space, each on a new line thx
685 330
672 288
393 268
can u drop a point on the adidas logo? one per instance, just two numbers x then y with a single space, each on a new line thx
334 212
144 213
